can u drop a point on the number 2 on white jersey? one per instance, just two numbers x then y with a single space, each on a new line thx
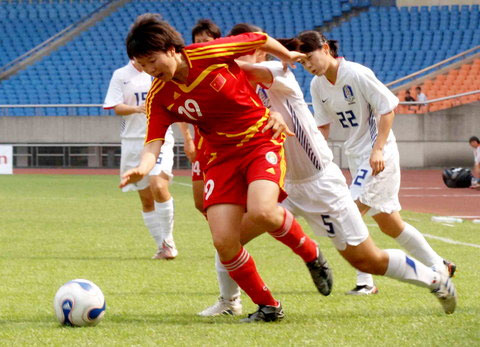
191 106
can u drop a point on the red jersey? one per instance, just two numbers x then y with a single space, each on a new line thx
217 96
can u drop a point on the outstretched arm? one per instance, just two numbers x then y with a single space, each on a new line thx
275 48
149 158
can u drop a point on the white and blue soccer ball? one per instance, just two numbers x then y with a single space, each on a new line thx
79 303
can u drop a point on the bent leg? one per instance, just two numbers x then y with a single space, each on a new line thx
392 263
263 210
408 237
224 221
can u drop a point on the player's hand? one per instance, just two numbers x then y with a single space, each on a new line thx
189 149
295 57
376 161
278 125
131 176
141 109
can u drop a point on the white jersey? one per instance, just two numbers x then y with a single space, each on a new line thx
356 101
129 86
307 153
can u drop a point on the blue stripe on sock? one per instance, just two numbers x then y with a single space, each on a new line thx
411 263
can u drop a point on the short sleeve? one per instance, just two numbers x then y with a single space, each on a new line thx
281 77
226 49
114 95
320 113
381 99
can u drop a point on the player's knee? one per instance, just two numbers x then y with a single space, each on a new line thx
223 246
262 216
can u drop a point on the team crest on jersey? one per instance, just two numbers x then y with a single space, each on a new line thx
271 158
348 94
218 82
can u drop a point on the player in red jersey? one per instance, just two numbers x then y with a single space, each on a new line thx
201 84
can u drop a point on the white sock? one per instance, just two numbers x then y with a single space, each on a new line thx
413 241
165 212
153 224
364 279
229 289
406 269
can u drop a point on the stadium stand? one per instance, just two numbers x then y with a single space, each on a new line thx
392 41
456 81
395 42
79 72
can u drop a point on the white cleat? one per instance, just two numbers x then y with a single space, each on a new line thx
363 290
223 307
166 252
446 293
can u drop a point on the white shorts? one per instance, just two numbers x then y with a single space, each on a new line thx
130 158
324 201
379 192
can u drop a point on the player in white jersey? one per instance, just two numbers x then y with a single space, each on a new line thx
475 144
351 94
126 95
317 191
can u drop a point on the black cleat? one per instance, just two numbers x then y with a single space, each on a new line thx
321 274
451 267
265 313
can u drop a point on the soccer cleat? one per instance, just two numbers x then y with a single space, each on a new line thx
265 313
223 307
451 267
166 252
321 274
363 290
446 293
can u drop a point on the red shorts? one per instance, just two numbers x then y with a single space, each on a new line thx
227 181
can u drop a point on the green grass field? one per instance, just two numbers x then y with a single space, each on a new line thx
55 228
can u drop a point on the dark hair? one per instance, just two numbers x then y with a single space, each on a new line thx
242 28
207 26
333 44
311 41
474 138
149 34
407 91
292 44
418 87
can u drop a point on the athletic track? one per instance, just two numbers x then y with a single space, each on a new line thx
420 191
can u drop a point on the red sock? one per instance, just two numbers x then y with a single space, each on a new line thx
243 271
292 235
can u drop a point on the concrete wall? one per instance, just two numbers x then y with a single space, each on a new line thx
437 139
401 3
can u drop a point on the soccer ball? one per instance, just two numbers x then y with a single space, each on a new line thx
79 303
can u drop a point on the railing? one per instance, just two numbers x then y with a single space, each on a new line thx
426 102
39 109
434 66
